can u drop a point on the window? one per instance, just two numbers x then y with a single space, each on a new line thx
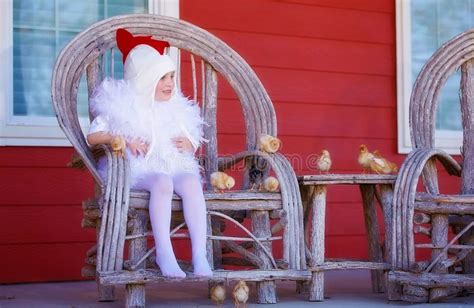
32 33
422 26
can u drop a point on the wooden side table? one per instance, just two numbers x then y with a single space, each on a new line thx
372 186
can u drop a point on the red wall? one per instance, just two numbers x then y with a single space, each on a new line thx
41 238
329 67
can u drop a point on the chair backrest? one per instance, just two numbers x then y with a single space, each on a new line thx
421 162
85 54
454 54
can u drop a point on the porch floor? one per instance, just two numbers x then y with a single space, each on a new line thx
343 288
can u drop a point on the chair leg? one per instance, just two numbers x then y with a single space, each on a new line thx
266 290
106 293
214 248
302 287
439 237
214 253
318 218
135 293
135 296
394 290
373 235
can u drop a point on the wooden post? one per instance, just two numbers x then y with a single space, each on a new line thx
386 193
306 195
211 250
216 254
373 235
439 238
209 114
467 175
209 243
414 294
318 203
106 293
135 293
439 229
266 290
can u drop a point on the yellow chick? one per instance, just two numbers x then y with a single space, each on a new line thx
118 145
381 165
218 294
365 157
324 161
241 293
269 143
221 180
271 184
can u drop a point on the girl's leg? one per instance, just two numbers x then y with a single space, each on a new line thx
160 187
189 187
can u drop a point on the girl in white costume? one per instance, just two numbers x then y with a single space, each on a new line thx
162 131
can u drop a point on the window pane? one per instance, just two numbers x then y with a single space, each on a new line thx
433 22
41 28
32 69
37 13
119 7
79 14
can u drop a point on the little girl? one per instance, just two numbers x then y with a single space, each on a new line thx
162 130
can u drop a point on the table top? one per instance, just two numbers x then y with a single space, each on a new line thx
355 179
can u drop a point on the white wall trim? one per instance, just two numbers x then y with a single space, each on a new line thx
164 7
446 140
403 26
39 131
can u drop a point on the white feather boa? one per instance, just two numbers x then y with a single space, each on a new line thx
128 116
115 101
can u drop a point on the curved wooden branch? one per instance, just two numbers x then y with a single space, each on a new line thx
427 87
104 207
294 247
114 207
151 250
269 255
246 254
445 249
404 199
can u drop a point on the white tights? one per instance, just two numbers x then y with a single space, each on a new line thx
188 187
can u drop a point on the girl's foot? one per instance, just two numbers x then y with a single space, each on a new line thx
201 267
169 267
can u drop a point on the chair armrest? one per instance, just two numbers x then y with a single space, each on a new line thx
293 240
404 200
114 203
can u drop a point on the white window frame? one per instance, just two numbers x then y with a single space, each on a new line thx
31 130
444 139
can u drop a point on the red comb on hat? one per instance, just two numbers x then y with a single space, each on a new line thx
126 42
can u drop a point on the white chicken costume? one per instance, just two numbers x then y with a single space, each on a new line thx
128 108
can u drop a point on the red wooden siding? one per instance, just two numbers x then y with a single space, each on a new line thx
41 238
329 67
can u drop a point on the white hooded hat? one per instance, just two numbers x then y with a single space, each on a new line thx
143 68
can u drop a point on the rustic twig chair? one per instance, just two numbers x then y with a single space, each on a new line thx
431 213
120 214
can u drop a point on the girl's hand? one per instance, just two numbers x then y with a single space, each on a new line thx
137 147
183 144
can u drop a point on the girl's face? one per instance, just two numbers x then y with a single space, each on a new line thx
164 88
